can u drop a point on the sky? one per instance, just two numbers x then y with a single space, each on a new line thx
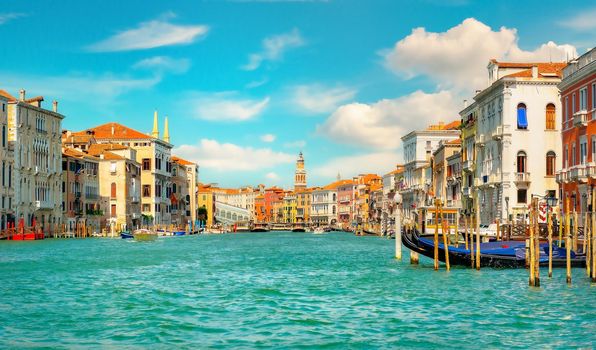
247 85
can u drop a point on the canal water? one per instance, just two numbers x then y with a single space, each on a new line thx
275 290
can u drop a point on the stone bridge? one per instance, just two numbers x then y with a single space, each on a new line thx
229 215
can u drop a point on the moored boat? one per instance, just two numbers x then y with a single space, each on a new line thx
144 235
126 235
319 231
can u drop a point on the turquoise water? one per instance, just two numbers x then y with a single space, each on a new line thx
275 290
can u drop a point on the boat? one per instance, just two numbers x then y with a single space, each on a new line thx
499 254
144 235
179 233
126 235
298 229
319 231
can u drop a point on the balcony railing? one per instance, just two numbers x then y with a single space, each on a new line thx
522 177
466 191
561 176
468 165
578 173
580 118
44 205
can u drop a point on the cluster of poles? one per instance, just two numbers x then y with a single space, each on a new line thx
471 229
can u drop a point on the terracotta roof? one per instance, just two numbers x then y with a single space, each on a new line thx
35 99
545 70
112 156
376 187
336 184
101 147
7 95
115 131
72 138
454 142
71 152
182 161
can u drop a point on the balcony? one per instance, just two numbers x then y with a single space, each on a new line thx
480 140
44 205
578 173
522 178
580 118
561 176
498 133
468 165
466 191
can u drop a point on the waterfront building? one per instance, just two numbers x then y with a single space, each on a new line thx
392 183
80 191
418 147
119 187
375 209
303 203
454 181
35 136
362 199
260 213
345 204
290 208
154 155
517 142
441 172
300 174
273 204
189 182
180 193
468 157
7 212
206 204
577 177
323 211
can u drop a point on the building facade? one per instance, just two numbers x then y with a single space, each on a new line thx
7 212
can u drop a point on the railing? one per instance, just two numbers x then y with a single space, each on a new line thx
44 205
580 118
561 176
578 172
466 191
522 177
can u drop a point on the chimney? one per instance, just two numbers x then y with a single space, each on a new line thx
465 103
22 95
55 106
534 71
112 129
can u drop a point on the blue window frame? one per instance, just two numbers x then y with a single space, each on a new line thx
522 117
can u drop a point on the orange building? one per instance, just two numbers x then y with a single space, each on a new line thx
578 96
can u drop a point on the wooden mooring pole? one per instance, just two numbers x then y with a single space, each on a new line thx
568 241
477 233
532 279
436 235
466 232
550 245
536 246
445 242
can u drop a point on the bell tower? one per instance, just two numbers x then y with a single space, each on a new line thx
300 174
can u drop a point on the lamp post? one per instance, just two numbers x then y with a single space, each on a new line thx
398 200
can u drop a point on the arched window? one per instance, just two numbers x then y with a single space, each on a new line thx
550 163
550 116
113 188
522 117
521 162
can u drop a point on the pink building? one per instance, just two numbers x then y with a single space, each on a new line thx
345 204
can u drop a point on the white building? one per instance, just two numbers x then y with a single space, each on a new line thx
6 178
36 137
418 147
517 137
323 208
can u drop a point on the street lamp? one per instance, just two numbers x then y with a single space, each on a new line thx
398 200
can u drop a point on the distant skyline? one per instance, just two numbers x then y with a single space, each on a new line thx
247 85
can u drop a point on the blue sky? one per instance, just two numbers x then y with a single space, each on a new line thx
248 84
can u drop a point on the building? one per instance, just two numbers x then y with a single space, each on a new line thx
300 174
206 204
469 117
577 177
345 204
80 191
392 182
154 156
119 187
7 212
364 185
454 181
35 136
323 211
441 172
418 147
517 142
290 208
303 203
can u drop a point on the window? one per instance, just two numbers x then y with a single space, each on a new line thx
550 116
113 167
146 207
146 190
521 162
550 163
573 104
583 151
593 148
573 156
522 118
113 190
146 164
522 196
566 108
113 210
583 99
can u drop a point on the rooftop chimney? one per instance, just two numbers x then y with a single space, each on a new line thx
534 71
55 106
22 95
465 103
112 129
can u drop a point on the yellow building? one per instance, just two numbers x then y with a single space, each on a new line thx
154 156
205 204
290 208
303 202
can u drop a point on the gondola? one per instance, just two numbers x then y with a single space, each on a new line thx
501 254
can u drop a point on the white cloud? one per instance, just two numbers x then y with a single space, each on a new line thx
382 124
162 64
295 144
349 166
316 98
583 21
222 157
272 176
151 34
256 83
274 48
268 138
458 57
78 87
7 17
226 106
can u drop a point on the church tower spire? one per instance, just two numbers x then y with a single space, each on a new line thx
155 132
166 131
300 174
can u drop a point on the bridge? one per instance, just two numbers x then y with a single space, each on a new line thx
229 215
